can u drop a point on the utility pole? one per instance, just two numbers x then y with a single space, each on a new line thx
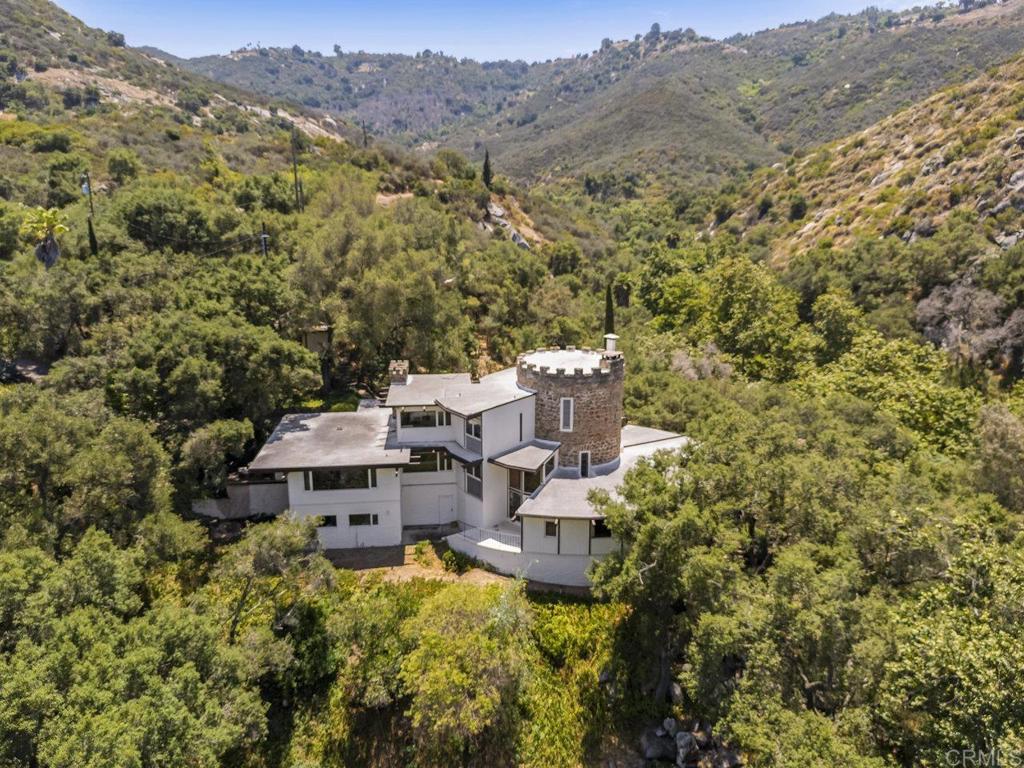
264 239
295 169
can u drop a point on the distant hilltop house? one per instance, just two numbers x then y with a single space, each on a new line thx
503 465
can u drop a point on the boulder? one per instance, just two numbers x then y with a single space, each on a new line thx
675 692
1017 180
932 164
685 745
1008 240
925 227
655 747
670 726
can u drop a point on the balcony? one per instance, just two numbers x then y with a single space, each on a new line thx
504 538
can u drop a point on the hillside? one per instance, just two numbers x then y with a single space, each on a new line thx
47 51
668 103
957 155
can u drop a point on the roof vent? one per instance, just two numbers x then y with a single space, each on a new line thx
610 342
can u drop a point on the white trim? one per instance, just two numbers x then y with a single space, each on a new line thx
561 414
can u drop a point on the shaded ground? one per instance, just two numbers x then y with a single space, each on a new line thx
406 562
423 561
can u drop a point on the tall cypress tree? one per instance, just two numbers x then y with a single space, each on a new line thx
94 247
609 310
488 174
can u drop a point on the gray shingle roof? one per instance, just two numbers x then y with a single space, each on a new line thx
565 495
457 392
529 457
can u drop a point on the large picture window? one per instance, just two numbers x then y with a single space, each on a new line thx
429 460
340 479
474 481
417 419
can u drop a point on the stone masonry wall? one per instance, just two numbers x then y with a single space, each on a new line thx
597 396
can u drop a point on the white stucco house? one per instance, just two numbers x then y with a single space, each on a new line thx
505 462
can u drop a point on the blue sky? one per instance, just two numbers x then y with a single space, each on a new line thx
483 29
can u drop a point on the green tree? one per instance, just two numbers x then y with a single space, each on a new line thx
123 165
488 175
464 673
609 310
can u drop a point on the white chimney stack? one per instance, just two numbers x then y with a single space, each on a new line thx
610 341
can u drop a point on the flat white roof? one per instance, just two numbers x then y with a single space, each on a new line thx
331 441
569 359
565 495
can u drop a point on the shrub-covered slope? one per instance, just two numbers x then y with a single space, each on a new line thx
668 103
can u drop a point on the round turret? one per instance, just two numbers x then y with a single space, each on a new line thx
579 399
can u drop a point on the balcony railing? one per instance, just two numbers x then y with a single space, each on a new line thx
482 535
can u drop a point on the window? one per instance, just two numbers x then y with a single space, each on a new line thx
474 481
520 486
584 463
567 414
600 530
520 427
549 466
550 528
340 479
363 519
474 434
417 419
429 460
328 521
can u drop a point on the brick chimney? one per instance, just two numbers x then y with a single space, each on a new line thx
398 371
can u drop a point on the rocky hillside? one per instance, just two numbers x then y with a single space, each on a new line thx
44 49
958 153
672 104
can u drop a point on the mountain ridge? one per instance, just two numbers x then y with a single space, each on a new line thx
793 86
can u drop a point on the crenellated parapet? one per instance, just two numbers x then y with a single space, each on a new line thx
594 380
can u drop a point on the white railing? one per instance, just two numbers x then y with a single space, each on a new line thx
480 535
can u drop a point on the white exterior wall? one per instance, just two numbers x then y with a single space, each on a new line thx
569 570
429 498
469 508
575 537
534 539
501 426
385 501
501 433
604 546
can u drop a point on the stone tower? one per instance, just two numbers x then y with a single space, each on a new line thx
591 380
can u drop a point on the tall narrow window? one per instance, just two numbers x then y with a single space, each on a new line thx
567 414
474 481
584 463
520 427
474 434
